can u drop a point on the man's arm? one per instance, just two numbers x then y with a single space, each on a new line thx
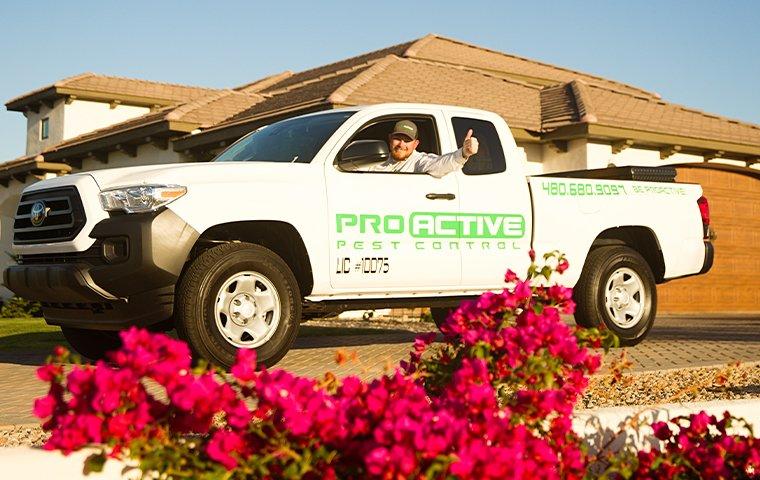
440 165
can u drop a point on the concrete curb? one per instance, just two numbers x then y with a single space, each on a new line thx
619 425
27 462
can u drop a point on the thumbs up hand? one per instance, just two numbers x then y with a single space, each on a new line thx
470 146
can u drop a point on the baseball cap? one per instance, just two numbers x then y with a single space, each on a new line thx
406 127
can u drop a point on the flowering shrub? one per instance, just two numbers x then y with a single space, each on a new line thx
494 401
697 446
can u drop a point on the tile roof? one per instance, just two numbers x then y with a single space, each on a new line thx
442 49
397 79
214 108
642 113
577 102
262 83
566 104
349 63
314 90
166 93
558 107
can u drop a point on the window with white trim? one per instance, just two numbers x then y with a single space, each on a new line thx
44 128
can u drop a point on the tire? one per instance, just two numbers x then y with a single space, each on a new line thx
616 289
219 304
440 314
93 344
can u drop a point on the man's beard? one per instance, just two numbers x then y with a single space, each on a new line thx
400 154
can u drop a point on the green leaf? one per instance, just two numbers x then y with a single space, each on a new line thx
94 463
546 272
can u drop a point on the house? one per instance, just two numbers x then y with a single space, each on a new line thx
562 120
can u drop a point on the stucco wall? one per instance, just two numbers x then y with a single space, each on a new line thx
582 154
74 119
146 155
635 156
574 159
534 158
601 155
34 144
82 116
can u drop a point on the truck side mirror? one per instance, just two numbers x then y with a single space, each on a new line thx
362 153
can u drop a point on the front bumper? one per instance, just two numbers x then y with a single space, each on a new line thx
134 287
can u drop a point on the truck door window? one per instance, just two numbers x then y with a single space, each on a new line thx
490 156
380 129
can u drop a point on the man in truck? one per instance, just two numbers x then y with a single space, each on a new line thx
402 143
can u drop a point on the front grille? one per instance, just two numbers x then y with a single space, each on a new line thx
91 256
63 221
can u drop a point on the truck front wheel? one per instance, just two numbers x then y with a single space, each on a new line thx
238 295
616 289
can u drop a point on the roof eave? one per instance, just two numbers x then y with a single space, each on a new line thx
22 104
53 93
137 135
35 167
136 100
656 140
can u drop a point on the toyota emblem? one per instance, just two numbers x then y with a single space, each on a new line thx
39 213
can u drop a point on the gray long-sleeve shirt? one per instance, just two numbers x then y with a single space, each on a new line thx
418 162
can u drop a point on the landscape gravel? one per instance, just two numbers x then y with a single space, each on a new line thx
729 382
22 435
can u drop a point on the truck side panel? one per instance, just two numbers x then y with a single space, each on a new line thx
569 213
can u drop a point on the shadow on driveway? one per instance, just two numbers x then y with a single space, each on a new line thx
724 329
37 346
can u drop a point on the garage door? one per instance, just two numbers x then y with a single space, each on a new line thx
733 283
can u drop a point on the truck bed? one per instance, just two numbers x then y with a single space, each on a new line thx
641 174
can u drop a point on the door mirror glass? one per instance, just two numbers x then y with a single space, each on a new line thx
362 153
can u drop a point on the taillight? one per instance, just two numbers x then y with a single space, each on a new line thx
704 210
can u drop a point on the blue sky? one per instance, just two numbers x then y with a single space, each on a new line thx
703 54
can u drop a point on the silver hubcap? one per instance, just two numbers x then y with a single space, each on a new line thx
247 310
625 298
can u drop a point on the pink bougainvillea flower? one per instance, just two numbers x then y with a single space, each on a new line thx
45 406
244 368
224 447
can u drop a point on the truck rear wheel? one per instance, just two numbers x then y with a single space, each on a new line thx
238 295
93 344
440 314
616 289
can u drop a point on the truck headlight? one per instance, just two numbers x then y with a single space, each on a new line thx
140 198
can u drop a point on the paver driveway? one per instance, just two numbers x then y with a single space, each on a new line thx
675 342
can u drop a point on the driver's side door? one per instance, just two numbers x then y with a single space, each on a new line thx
391 232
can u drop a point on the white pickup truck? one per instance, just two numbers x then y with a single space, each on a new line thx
284 226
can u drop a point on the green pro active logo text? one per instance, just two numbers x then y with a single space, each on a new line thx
435 225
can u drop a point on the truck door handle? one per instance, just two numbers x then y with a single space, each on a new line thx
440 196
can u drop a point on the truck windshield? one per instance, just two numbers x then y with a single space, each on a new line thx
295 140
